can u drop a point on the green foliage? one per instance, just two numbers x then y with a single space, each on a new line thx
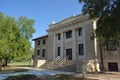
107 14
15 36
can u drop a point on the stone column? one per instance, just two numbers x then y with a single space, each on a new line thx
74 45
62 45
95 40
54 46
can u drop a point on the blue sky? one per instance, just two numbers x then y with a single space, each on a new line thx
42 11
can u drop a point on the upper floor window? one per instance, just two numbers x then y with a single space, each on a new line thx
58 51
59 36
111 46
43 52
38 42
44 41
80 32
81 49
69 34
38 52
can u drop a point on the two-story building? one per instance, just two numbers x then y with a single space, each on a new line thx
71 38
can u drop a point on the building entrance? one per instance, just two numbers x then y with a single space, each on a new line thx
69 54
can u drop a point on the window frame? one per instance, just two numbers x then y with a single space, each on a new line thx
44 41
38 52
80 31
43 52
38 42
69 34
111 46
59 36
58 51
81 49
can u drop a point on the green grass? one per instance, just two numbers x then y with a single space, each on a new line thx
20 64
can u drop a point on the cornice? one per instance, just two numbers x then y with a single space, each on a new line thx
68 21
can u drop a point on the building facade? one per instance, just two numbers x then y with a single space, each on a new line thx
71 37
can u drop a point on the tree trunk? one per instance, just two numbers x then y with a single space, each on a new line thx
6 60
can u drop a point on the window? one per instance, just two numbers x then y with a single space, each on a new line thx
59 36
69 34
44 41
43 52
58 51
111 46
38 52
80 31
81 49
38 42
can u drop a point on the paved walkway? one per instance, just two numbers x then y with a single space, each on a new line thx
48 74
102 76
37 72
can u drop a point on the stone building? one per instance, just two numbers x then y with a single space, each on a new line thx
71 39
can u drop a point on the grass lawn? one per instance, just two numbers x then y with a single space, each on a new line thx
20 64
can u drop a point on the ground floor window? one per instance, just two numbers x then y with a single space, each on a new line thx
113 66
43 52
58 51
80 49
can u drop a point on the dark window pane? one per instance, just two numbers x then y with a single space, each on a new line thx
38 42
111 46
59 36
81 49
44 41
43 52
59 49
38 52
80 32
69 34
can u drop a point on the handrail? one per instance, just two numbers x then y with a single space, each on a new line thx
53 61
65 59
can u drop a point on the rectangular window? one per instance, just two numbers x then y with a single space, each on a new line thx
38 42
59 36
44 41
81 49
58 51
80 31
111 46
43 52
38 52
69 34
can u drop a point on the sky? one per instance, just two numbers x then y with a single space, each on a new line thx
42 11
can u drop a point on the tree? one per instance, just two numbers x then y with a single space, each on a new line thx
108 24
107 12
15 36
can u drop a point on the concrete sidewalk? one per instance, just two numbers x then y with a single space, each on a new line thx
102 76
37 72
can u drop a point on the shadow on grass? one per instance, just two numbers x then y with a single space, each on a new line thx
23 77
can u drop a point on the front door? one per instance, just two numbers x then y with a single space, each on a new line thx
69 54
113 66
